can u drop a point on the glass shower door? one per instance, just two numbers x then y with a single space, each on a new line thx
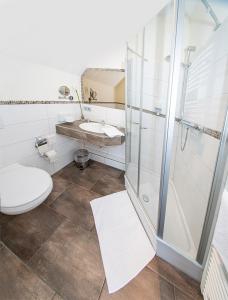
157 49
202 104
134 83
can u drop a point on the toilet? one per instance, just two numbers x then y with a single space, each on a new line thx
23 188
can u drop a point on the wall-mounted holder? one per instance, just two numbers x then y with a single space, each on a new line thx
43 149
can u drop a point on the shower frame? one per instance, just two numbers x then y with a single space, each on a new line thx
165 250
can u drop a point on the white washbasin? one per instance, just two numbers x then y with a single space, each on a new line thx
94 127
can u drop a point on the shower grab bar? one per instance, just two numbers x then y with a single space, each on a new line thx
191 125
211 132
214 133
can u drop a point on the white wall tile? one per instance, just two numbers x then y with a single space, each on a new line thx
22 123
16 114
21 132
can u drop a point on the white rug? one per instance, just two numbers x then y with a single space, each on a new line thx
125 247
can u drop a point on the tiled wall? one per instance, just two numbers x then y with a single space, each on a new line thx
206 103
207 90
20 124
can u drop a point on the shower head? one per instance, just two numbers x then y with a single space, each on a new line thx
167 58
191 48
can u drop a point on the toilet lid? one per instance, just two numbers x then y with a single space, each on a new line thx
20 185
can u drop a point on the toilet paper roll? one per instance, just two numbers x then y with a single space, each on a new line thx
51 155
43 149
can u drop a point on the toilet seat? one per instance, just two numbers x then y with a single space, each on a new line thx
23 188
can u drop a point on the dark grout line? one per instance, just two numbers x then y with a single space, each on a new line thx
102 288
68 219
30 269
28 261
172 283
1 244
186 294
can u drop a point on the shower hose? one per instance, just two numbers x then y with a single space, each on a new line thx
183 145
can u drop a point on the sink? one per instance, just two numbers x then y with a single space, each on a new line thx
94 127
93 132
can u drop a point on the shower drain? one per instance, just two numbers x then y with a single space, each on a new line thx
145 198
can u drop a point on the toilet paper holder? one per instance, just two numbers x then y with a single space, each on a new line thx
40 141
43 149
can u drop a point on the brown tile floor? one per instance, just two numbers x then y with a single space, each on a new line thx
53 253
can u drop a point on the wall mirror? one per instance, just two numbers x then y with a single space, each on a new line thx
64 90
104 87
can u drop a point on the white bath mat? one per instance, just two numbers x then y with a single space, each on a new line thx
125 247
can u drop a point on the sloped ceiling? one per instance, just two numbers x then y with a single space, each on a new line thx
72 35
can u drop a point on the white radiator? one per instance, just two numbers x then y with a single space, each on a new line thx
214 285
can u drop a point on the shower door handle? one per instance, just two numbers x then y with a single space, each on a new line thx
137 123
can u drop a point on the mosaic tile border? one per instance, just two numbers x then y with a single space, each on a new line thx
18 102
211 132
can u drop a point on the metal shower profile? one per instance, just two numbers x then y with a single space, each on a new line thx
211 13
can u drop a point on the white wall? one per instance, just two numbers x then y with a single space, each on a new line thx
21 80
20 124
72 35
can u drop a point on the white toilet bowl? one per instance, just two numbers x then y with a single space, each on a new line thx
23 188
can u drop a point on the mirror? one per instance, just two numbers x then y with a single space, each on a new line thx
104 87
64 90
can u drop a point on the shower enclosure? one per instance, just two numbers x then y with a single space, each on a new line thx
177 97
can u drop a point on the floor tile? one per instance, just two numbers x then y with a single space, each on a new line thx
122 178
107 170
57 297
59 186
59 242
146 286
18 282
89 176
182 296
5 218
70 263
176 277
86 178
108 185
74 204
27 232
